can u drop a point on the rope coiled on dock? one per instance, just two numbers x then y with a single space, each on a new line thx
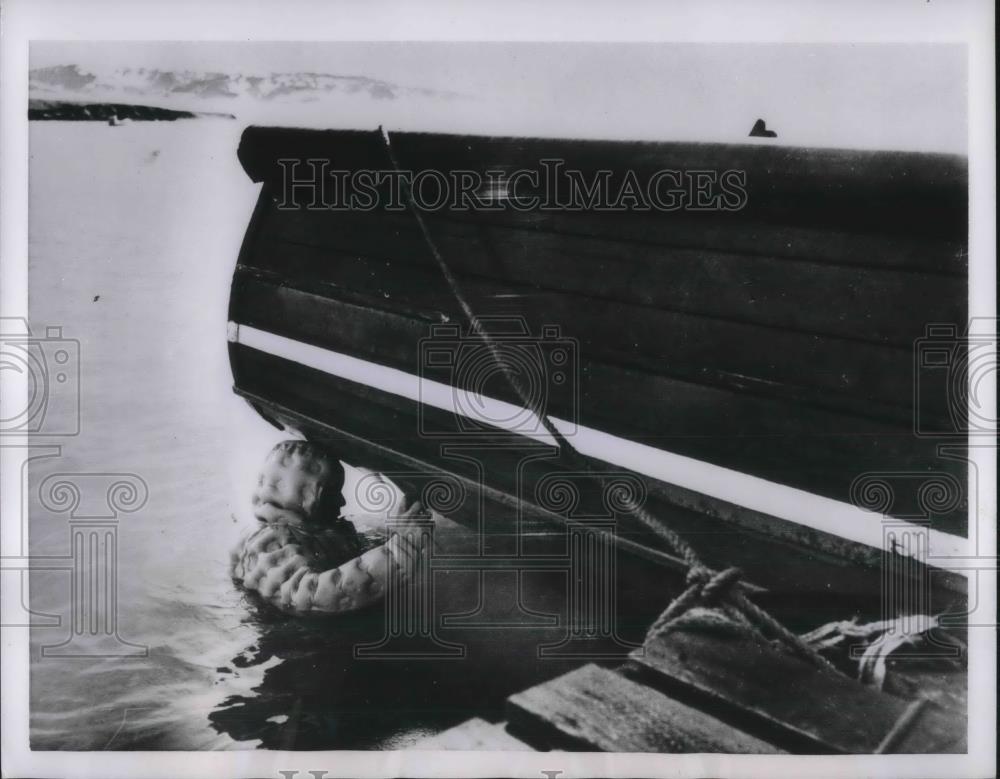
719 591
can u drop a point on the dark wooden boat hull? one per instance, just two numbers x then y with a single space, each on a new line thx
776 341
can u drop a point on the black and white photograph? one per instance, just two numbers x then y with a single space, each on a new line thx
453 405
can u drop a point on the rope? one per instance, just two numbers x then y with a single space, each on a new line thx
706 587
902 727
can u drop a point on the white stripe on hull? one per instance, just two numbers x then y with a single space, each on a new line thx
766 497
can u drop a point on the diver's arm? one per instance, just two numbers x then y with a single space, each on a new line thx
276 567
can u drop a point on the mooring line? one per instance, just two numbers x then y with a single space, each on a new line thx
713 589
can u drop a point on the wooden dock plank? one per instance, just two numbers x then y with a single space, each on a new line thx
475 734
593 708
949 689
789 701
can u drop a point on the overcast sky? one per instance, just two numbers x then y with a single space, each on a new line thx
890 96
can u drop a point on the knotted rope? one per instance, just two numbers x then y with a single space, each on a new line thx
720 591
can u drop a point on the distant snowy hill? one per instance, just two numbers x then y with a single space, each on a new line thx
823 96
190 88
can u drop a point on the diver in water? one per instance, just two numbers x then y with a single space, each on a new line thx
303 555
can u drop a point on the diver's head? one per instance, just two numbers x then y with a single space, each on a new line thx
300 483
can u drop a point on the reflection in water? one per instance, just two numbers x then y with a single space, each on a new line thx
317 696
314 694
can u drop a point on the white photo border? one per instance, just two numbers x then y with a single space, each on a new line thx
970 23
